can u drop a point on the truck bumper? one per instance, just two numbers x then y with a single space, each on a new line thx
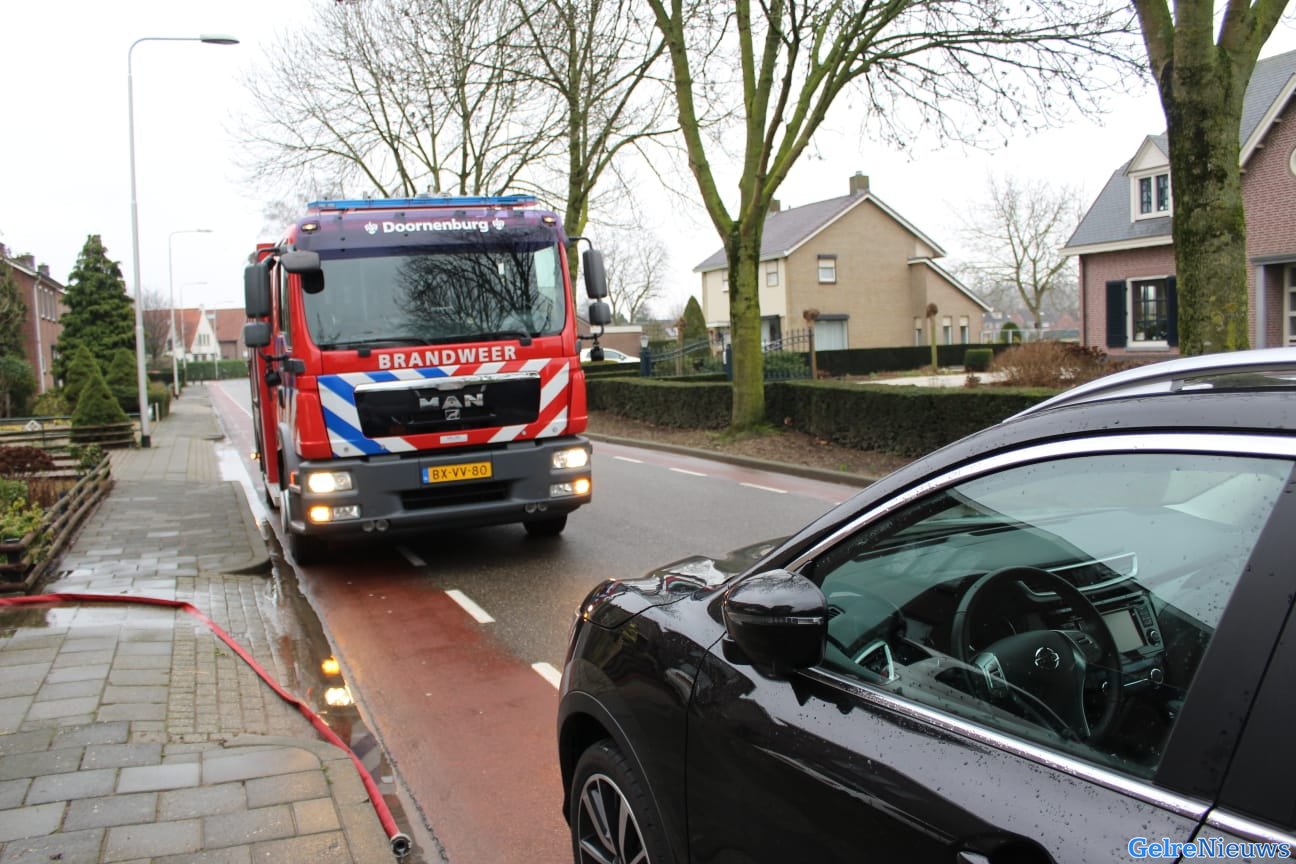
516 482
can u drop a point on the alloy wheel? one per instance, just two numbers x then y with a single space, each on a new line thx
606 826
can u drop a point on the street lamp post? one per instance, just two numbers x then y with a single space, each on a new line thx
141 379
175 363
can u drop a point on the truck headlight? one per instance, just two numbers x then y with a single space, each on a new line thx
574 457
324 482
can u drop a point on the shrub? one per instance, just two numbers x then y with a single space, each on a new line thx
978 359
786 364
87 456
10 491
24 461
160 396
81 368
20 518
50 404
97 407
123 380
1010 333
1049 364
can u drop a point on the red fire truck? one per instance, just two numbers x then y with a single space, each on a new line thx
415 365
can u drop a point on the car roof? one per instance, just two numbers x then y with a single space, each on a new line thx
1146 403
1261 368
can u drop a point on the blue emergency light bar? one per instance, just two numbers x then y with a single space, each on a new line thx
428 201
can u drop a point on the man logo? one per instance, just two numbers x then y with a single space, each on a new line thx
452 405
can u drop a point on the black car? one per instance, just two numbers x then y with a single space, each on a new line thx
1062 639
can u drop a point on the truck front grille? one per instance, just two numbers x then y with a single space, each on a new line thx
454 496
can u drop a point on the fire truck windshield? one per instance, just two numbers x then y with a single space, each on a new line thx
459 292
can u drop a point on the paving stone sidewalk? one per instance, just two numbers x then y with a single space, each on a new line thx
130 733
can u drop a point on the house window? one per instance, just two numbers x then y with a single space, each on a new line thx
963 330
827 269
947 331
1154 195
1142 313
918 331
772 274
1290 305
1148 308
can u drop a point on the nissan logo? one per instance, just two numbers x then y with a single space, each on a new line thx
1047 659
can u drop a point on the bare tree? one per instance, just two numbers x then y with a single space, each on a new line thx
1202 82
1017 233
156 313
403 96
637 263
965 68
595 57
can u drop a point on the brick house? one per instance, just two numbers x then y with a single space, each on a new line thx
1128 297
44 298
868 271
207 333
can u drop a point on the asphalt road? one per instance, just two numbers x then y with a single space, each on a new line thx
452 641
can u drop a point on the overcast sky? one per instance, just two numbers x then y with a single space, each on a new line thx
65 152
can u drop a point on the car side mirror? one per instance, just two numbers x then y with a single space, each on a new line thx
778 620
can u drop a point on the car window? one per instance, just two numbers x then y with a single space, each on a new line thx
1066 602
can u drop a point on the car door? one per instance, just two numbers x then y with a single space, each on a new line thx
965 715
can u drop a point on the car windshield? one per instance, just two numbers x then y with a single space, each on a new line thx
485 290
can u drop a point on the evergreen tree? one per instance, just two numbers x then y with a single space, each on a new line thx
122 380
13 316
96 406
17 384
99 313
695 327
80 369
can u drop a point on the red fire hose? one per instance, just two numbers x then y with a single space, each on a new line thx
400 843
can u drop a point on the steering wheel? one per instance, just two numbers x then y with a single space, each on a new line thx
1049 667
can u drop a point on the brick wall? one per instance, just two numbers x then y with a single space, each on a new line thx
1269 190
1096 270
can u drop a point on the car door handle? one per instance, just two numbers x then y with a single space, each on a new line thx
1026 853
966 857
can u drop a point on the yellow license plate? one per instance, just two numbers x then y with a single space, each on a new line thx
461 471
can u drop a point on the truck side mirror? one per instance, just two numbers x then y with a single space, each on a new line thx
256 290
600 313
595 274
256 334
305 264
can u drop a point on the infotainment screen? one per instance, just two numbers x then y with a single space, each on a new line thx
1123 630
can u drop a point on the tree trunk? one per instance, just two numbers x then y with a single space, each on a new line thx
1209 219
742 248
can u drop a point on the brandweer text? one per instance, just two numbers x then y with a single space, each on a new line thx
447 357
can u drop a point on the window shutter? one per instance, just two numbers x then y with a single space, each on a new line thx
1172 313
1116 311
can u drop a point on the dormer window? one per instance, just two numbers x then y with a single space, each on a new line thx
1152 196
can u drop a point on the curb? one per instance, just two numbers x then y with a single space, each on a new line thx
822 474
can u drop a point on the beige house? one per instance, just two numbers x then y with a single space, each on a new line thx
869 272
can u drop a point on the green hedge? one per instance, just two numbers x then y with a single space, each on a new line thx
681 404
864 361
908 421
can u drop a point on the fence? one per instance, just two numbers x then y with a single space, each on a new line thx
57 435
688 360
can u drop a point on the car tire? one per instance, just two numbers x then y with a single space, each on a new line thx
604 790
551 527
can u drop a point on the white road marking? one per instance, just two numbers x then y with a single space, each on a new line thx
480 615
764 488
413 559
690 473
628 459
548 672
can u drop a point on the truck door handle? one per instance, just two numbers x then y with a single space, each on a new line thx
966 857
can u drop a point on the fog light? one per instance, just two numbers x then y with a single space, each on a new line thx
576 457
324 482
322 513
579 486
338 697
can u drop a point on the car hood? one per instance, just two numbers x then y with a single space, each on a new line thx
616 601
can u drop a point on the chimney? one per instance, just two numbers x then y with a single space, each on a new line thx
775 206
43 270
859 183
28 261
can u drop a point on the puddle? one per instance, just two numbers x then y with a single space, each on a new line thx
308 669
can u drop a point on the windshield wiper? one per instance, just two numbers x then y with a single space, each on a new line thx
375 342
521 335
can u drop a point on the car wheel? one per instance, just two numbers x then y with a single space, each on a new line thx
551 527
613 820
